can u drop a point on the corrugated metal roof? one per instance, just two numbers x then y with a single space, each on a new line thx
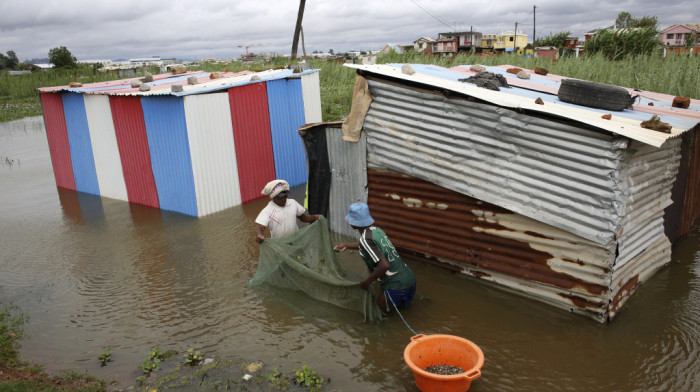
161 84
625 123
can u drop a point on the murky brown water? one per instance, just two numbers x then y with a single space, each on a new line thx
97 273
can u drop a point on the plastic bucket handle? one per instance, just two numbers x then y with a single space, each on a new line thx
473 375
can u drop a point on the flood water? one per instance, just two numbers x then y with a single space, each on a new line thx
94 273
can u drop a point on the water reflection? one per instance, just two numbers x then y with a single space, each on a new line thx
95 273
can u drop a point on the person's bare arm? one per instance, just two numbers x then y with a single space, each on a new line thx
260 233
305 217
379 271
340 248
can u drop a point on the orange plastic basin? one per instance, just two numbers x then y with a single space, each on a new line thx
432 350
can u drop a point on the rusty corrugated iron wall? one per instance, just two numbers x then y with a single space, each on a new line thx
691 197
492 243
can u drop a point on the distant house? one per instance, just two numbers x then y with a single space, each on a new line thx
445 46
676 36
424 45
510 41
466 41
589 34
571 42
487 42
389 47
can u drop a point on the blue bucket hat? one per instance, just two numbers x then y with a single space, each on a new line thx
358 215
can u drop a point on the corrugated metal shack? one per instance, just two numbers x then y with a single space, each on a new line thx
191 143
548 200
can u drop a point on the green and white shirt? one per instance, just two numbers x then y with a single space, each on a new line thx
374 244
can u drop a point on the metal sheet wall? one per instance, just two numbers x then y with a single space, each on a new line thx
311 89
57 135
492 243
348 164
108 165
648 174
691 200
250 119
554 173
80 144
213 152
169 146
286 104
134 153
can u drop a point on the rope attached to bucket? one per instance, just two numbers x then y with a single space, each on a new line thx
386 294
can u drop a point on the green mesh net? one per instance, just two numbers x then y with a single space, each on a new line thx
305 261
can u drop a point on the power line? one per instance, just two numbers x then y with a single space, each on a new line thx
432 14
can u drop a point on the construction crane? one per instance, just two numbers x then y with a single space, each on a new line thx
248 46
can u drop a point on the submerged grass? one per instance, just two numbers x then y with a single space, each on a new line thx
675 74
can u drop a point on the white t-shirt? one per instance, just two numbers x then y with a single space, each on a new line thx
280 220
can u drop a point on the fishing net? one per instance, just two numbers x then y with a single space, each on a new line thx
305 261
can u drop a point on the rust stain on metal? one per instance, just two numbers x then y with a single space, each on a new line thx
534 234
624 291
399 204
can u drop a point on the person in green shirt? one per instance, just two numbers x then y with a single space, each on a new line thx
382 259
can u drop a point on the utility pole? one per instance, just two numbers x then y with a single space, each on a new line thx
300 16
533 26
515 35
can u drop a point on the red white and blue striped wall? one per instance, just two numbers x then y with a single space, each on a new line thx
211 146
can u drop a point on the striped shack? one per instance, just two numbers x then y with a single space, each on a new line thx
193 143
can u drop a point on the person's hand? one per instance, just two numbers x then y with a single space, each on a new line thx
365 284
259 238
318 216
340 248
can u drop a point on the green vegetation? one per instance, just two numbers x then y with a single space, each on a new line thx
105 357
193 358
633 66
11 332
61 57
25 377
557 40
619 44
309 379
626 21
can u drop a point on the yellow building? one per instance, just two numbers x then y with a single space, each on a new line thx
510 41
488 41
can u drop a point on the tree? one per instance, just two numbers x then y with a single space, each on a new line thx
12 60
626 21
691 39
331 52
62 58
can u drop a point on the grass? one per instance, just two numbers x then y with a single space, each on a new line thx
18 376
675 74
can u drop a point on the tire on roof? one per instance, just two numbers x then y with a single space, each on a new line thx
595 95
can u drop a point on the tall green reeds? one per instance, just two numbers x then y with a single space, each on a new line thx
675 74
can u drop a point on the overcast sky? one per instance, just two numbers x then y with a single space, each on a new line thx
110 29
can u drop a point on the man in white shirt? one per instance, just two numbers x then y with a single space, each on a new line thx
281 214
